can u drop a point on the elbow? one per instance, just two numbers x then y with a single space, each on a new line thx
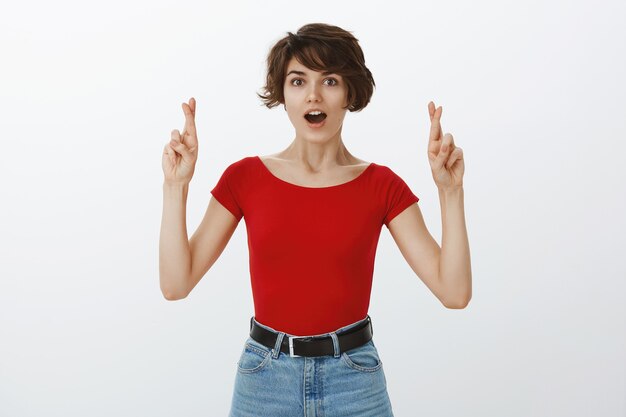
173 289
458 304
173 294
459 297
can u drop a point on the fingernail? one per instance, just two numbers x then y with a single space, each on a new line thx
444 148
173 142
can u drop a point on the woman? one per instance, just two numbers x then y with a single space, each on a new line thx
313 215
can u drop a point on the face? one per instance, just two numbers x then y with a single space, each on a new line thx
306 89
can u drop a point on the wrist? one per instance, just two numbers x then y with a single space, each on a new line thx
172 189
175 185
457 189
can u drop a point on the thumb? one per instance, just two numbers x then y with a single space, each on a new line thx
182 149
442 156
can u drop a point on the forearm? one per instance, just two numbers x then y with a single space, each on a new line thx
174 252
455 272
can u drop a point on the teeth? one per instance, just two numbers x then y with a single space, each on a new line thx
315 113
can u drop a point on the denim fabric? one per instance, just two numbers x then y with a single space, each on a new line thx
270 383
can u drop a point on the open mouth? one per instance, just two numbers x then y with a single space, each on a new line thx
315 117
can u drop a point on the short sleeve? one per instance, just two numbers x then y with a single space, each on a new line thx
223 192
399 197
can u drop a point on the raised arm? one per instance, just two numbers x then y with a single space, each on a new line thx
178 162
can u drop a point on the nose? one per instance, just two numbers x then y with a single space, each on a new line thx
313 94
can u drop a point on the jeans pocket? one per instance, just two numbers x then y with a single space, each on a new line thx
254 357
364 358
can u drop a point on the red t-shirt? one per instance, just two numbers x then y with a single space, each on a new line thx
311 250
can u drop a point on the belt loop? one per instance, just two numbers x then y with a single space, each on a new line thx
336 353
278 344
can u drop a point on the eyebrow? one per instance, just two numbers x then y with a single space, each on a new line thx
302 73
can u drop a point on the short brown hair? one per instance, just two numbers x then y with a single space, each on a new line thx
320 47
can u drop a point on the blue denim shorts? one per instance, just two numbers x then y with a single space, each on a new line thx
271 383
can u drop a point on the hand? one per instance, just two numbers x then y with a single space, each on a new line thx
446 160
181 153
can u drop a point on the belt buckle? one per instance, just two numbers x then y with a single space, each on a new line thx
293 355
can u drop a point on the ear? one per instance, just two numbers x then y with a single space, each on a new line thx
350 106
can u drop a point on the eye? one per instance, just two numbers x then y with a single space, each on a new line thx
333 81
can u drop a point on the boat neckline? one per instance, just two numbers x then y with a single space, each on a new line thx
353 180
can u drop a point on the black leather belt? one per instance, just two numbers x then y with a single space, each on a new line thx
314 345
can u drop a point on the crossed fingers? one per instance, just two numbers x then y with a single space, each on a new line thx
437 139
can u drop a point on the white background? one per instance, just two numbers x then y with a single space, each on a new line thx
533 92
